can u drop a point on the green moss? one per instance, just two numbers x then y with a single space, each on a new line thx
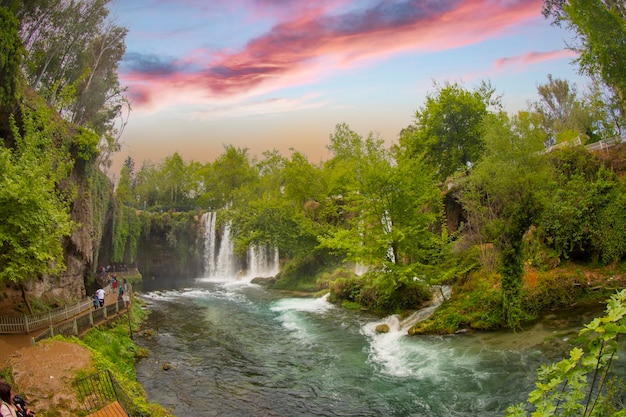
475 304
351 305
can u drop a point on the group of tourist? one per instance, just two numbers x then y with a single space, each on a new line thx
121 291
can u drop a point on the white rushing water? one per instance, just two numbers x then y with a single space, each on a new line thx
222 264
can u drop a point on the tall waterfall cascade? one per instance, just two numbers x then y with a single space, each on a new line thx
220 260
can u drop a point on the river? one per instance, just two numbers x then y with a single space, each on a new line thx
237 349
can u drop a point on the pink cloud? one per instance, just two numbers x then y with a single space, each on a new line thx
533 58
315 42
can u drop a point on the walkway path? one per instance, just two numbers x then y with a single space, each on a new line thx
11 343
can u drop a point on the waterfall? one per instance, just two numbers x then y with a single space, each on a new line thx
263 261
387 347
219 254
360 269
226 266
440 294
220 260
208 219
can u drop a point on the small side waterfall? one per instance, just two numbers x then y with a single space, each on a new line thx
263 261
226 265
440 293
387 348
220 260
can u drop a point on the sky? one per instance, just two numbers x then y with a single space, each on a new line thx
281 74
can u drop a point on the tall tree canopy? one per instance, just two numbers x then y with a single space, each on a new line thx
563 114
600 27
72 54
447 128
504 196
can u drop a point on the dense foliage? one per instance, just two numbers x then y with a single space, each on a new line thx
60 118
390 210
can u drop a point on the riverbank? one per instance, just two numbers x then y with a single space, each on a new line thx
45 373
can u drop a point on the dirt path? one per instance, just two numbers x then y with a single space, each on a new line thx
43 374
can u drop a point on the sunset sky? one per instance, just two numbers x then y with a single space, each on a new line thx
280 74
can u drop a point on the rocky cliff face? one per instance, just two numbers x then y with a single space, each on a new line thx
172 247
89 213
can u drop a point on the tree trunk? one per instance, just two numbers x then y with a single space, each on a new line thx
30 308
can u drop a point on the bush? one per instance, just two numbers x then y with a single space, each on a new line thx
380 291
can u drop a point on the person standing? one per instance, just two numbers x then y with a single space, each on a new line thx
96 302
100 294
121 295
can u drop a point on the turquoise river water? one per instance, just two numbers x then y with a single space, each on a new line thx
237 349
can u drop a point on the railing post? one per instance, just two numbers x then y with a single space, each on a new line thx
51 331
75 326
91 318
104 313
65 311
26 327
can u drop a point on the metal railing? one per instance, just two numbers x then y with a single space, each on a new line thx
79 324
603 144
591 147
101 389
30 323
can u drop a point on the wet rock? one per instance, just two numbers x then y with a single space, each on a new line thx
382 328
264 281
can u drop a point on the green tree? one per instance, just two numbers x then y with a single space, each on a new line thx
231 170
172 176
562 114
35 213
10 61
124 189
505 194
72 56
389 205
447 128
271 210
600 27
581 218
147 185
